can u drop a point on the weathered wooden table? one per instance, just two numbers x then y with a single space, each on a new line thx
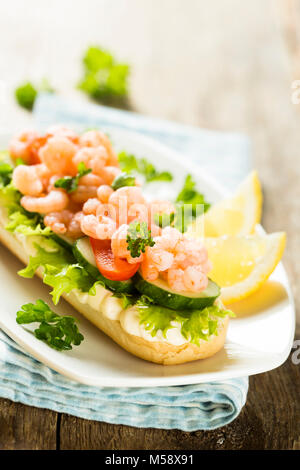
221 65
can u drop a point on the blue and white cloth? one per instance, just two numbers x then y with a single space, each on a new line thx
189 407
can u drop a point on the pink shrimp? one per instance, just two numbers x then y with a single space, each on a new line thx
138 212
119 245
94 158
101 228
21 146
161 259
189 252
74 228
87 188
169 238
54 201
109 173
195 280
123 198
148 270
64 222
62 131
57 154
176 279
95 138
91 206
104 192
31 180
130 194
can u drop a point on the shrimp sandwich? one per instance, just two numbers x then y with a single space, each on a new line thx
79 219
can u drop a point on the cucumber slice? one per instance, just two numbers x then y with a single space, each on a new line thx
64 241
83 252
162 294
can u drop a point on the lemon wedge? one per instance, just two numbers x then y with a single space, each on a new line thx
237 215
240 265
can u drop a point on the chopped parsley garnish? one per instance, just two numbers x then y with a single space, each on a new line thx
104 78
189 204
59 332
26 93
69 183
138 237
190 195
123 179
129 163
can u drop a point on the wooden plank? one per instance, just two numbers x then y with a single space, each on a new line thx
25 427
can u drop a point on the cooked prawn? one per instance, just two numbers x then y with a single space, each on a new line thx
138 212
57 154
195 280
169 238
62 131
109 173
175 279
21 146
129 194
101 228
95 138
123 198
94 158
103 193
149 271
64 222
30 180
87 188
91 206
190 252
162 259
54 201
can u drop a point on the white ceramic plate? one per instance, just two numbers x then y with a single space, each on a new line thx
259 339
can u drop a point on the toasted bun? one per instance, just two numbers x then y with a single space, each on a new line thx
153 351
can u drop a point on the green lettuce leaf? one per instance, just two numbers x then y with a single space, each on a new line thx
64 280
10 197
129 163
61 271
195 325
127 299
27 224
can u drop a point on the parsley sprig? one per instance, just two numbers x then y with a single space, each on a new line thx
123 179
69 183
189 204
105 79
138 237
129 163
27 92
190 195
59 332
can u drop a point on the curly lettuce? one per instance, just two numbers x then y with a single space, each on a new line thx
60 270
195 325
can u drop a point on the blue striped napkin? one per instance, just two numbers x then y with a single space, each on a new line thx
190 407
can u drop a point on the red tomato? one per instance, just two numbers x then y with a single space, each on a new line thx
115 269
